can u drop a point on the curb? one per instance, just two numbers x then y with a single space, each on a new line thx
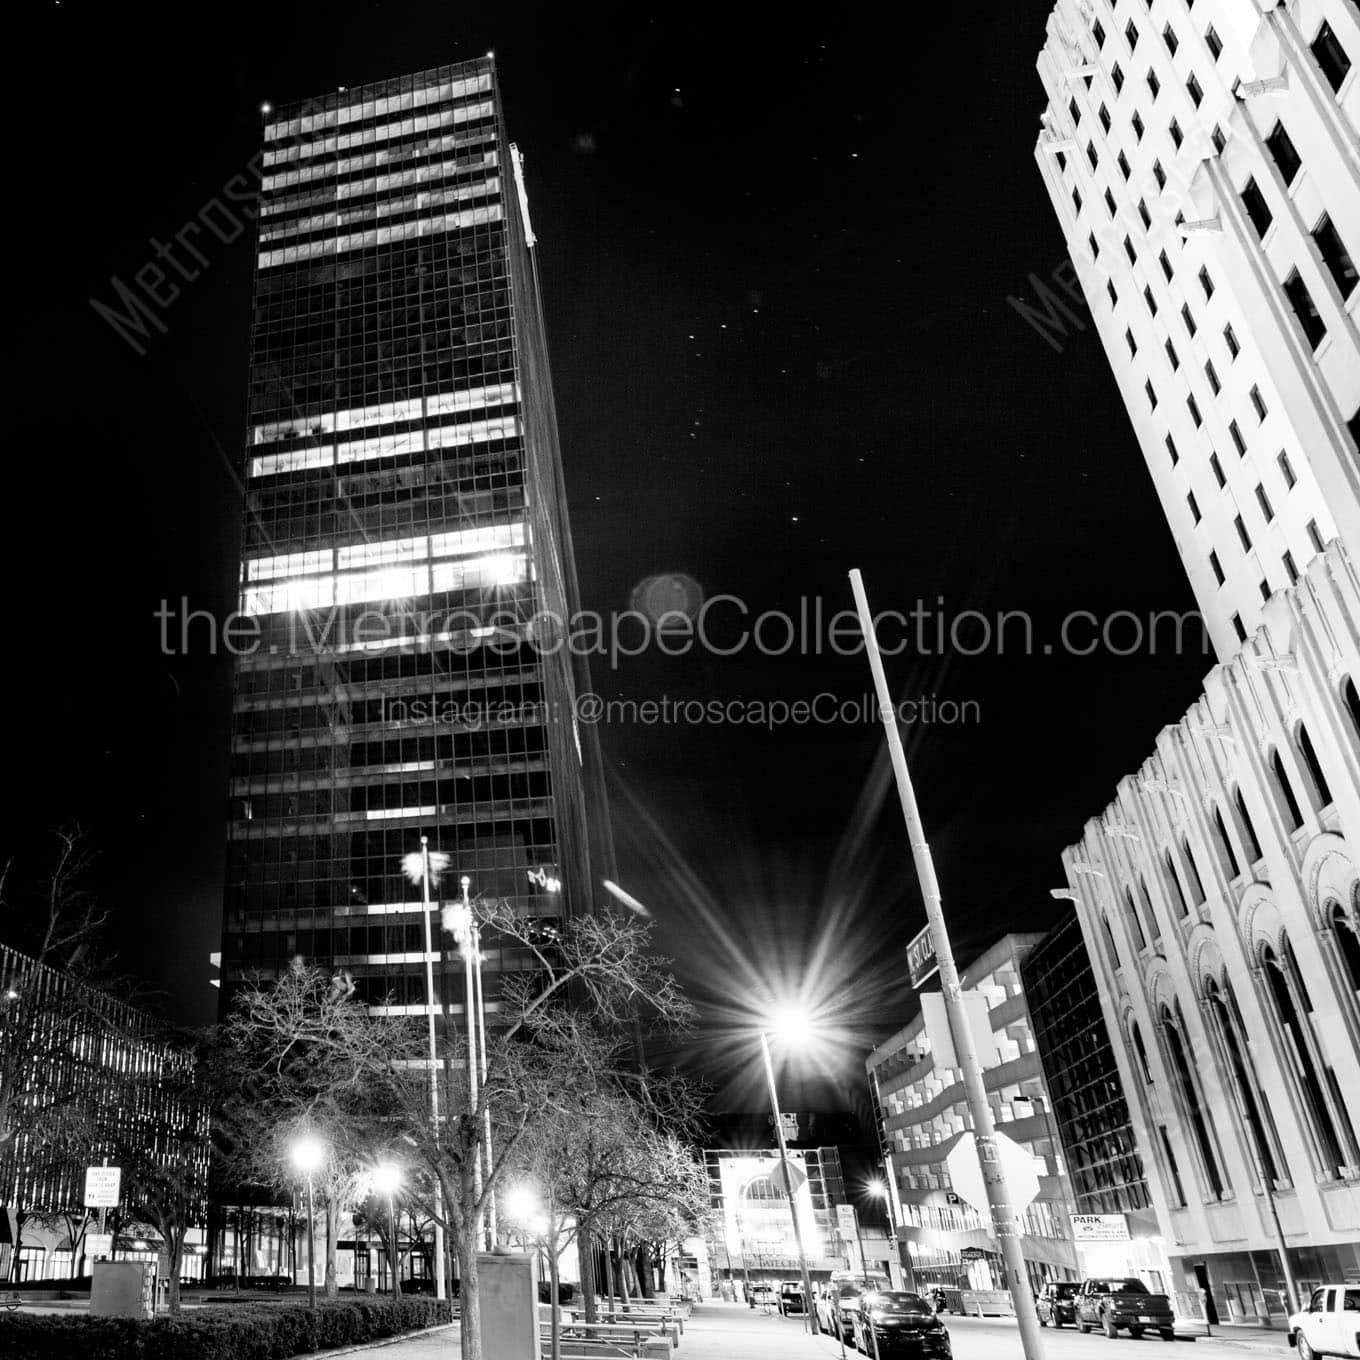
1248 1343
389 1340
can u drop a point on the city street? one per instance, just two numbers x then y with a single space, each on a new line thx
731 1331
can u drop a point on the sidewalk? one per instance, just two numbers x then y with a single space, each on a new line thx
734 1331
714 1331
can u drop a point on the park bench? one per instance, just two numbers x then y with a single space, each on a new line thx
572 1348
671 1325
644 1341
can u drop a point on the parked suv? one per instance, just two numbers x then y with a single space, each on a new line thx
1057 1303
791 1298
1114 1303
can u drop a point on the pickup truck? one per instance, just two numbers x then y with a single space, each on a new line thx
1114 1303
1330 1325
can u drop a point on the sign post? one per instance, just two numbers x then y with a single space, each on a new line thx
103 1187
1004 1225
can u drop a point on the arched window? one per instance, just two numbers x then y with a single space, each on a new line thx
1289 805
1248 829
1174 885
1109 941
1135 925
1351 698
1196 883
1149 912
1347 939
1316 778
1333 1137
1141 1049
1189 1091
1251 1105
1230 866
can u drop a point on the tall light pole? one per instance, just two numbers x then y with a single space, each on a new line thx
387 1181
880 1189
486 1108
458 920
788 1180
984 1130
308 1154
423 866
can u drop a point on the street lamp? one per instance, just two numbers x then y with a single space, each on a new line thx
788 1024
421 867
460 922
387 1181
309 1154
878 1188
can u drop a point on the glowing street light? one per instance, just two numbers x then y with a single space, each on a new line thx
788 1023
878 1188
308 1155
387 1181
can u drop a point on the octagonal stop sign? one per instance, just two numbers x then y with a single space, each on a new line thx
965 1172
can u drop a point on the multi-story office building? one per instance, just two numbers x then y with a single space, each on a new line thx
406 550
922 1113
1202 160
87 1078
1115 1229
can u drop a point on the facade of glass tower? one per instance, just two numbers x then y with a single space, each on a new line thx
406 550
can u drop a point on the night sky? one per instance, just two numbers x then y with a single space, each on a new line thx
776 253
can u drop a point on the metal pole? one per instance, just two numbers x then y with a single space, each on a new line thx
439 1289
863 1260
1294 1299
311 1247
896 1243
395 1260
788 1182
491 1228
984 1130
470 1006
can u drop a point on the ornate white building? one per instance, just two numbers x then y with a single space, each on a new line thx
1203 157
1219 896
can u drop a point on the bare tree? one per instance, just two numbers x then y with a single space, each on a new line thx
599 1167
52 926
300 1056
311 1056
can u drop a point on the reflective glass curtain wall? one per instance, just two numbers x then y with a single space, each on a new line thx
404 521
1088 1098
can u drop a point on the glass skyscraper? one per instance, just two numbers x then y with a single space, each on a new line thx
406 552
1083 1079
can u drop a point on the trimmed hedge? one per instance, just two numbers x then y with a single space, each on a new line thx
246 1331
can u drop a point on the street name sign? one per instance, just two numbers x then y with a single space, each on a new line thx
921 960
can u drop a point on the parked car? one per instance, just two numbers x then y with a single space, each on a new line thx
760 1294
886 1321
791 1298
1056 1303
1112 1304
1330 1325
840 1304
